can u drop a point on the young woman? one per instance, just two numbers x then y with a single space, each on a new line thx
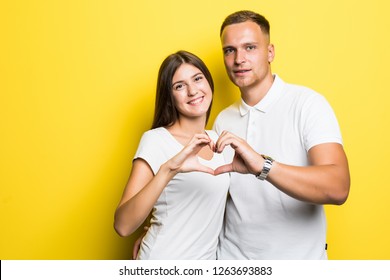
173 169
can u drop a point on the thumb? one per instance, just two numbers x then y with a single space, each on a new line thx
205 169
223 169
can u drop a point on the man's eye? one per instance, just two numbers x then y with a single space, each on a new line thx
228 51
250 47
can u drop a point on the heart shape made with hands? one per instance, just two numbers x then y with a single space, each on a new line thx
234 166
245 160
239 145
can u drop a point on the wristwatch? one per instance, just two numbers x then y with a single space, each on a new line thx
266 168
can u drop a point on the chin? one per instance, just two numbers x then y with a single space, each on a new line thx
242 83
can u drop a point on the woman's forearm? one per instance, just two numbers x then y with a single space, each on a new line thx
132 213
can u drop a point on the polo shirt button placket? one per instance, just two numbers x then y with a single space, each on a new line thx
251 126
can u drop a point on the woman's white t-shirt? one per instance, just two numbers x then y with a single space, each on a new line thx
187 217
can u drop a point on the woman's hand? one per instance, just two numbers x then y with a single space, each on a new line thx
143 188
187 159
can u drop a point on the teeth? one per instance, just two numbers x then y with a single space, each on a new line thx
196 101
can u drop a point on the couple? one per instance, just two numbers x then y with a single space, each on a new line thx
220 195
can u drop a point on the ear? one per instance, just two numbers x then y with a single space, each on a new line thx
271 53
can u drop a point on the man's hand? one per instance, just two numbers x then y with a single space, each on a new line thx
245 160
137 243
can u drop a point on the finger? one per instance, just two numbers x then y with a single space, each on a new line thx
201 136
136 247
226 141
212 145
196 144
221 136
223 169
226 138
198 137
201 143
205 169
137 243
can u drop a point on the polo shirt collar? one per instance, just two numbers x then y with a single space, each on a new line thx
264 104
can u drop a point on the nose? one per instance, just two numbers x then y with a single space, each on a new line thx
240 57
192 90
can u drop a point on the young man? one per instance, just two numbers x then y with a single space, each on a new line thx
286 154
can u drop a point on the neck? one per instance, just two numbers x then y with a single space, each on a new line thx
188 127
255 93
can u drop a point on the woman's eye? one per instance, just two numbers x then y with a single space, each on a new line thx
198 78
178 86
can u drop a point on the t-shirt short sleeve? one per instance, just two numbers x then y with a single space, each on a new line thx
320 125
150 150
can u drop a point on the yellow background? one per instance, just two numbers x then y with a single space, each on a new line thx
77 82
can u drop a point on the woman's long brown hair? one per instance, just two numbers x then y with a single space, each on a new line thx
165 112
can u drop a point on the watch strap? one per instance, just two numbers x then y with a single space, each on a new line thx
266 168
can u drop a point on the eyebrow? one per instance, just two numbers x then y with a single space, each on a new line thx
243 44
251 43
227 47
193 76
